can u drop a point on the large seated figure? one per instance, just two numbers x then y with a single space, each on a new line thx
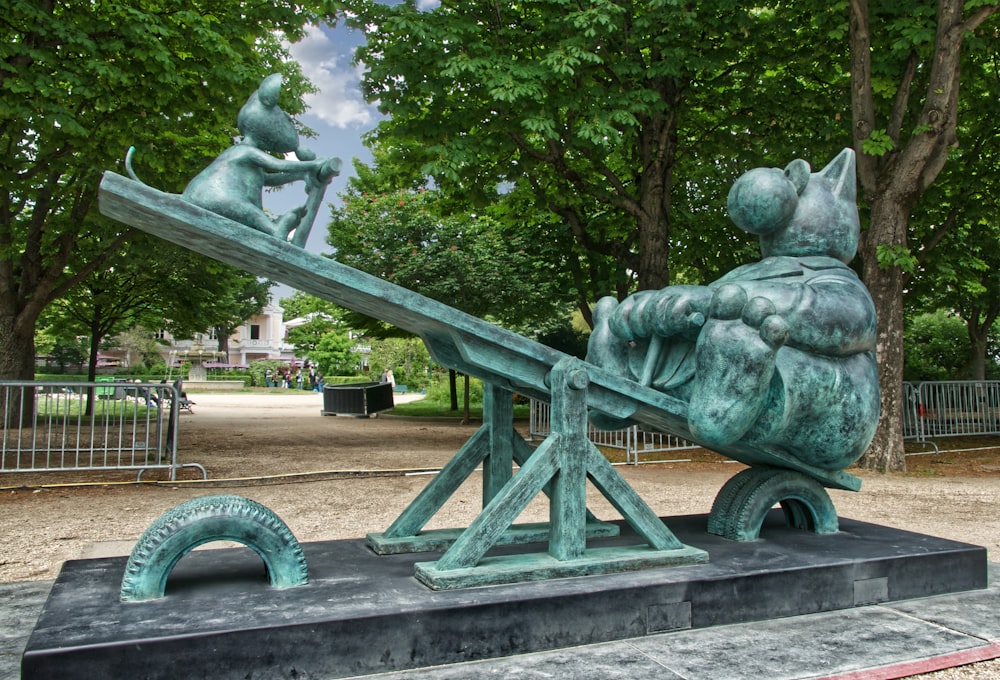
777 353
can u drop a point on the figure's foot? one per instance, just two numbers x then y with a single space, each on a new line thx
759 313
605 348
734 367
288 222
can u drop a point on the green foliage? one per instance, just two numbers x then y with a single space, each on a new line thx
301 304
407 357
141 349
471 261
63 351
895 255
878 143
335 354
258 368
306 338
565 339
440 393
936 347
598 120
82 81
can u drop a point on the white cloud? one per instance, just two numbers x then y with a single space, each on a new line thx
339 102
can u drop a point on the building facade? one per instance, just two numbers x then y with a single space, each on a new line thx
262 336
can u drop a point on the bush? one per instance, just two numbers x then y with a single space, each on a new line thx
440 392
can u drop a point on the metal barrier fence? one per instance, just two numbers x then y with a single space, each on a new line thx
632 440
89 426
931 409
951 409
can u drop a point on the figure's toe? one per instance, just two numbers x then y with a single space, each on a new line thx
728 302
774 331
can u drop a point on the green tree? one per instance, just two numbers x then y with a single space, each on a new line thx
60 348
233 297
80 82
157 285
407 357
958 224
139 346
936 347
300 304
335 354
306 338
586 113
905 72
470 261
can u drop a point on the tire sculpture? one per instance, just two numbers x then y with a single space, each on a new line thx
207 519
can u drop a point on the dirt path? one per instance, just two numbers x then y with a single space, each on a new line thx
262 438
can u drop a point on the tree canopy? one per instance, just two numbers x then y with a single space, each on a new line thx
79 83
628 121
470 260
604 115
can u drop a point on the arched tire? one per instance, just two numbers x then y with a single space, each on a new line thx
203 520
740 507
718 517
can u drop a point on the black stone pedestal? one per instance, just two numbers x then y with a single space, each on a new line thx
362 613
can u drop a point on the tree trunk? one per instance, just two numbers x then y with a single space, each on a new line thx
95 345
17 362
223 337
977 353
658 154
465 403
654 249
453 388
888 225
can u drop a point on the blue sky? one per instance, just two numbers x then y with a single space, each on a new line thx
337 113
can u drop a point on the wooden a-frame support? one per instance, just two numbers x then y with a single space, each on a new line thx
559 467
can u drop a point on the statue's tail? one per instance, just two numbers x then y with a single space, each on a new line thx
128 165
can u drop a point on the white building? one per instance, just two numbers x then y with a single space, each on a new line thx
260 337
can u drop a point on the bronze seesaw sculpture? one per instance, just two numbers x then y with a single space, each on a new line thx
749 366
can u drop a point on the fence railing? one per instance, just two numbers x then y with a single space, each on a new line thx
951 409
633 441
89 426
931 409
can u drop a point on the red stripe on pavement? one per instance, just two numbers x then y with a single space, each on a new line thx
928 665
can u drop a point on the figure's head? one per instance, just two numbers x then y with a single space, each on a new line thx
263 122
798 213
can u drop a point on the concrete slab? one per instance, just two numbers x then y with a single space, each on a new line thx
367 614
20 604
623 659
827 644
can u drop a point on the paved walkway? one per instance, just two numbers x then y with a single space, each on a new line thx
881 641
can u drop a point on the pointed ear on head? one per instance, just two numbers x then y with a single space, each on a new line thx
269 90
840 172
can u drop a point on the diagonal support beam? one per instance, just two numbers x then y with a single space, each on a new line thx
562 463
496 446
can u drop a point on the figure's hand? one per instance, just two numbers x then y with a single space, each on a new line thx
671 311
730 302
329 170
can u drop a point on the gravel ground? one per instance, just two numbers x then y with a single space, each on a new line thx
341 477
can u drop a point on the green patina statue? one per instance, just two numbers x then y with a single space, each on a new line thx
777 353
772 364
232 184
